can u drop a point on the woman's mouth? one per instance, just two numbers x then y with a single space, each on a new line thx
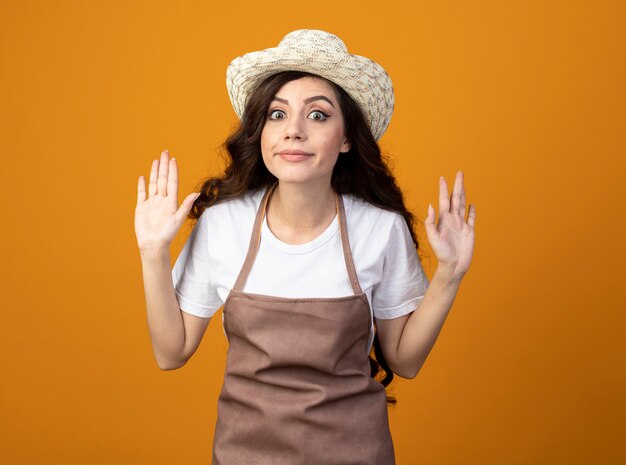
294 155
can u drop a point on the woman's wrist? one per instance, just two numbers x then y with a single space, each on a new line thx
447 274
154 253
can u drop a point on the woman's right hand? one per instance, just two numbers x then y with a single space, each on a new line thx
158 217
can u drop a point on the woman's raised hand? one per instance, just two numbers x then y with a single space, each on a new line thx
452 238
158 217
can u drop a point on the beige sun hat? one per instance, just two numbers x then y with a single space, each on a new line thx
320 53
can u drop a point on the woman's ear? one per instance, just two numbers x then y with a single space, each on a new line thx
345 147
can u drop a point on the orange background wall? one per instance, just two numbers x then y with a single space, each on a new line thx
527 98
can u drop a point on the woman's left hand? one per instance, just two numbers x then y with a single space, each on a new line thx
452 238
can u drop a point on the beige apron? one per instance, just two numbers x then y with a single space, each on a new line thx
297 388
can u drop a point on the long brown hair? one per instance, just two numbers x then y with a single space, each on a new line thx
362 172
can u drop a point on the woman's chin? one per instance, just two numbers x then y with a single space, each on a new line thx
301 177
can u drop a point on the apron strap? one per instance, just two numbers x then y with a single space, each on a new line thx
347 252
255 241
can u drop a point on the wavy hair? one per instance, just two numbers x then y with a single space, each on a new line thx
362 171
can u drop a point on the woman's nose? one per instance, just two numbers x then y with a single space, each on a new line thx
294 128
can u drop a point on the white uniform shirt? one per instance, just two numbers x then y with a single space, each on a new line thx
385 259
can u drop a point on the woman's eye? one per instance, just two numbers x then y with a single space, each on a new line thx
277 114
318 115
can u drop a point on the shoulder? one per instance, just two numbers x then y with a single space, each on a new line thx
371 228
229 224
237 209
361 213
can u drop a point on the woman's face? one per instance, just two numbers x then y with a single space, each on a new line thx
303 132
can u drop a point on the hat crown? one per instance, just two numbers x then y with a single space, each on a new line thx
313 39
320 53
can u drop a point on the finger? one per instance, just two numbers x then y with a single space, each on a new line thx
172 181
162 179
429 223
185 207
154 171
456 192
141 190
471 217
462 206
444 201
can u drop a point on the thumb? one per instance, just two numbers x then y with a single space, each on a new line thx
429 224
184 208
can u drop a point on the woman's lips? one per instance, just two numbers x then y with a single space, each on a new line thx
294 155
289 157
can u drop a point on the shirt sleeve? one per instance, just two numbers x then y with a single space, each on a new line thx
191 274
403 282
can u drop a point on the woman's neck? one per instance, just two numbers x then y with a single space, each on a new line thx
298 213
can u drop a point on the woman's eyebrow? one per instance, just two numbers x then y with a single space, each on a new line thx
308 100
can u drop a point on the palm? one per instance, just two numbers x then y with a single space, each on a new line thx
155 219
452 238
157 216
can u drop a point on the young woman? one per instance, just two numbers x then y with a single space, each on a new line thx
307 244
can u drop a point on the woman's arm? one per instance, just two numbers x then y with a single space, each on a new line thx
175 334
157 219
406 341
164 315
